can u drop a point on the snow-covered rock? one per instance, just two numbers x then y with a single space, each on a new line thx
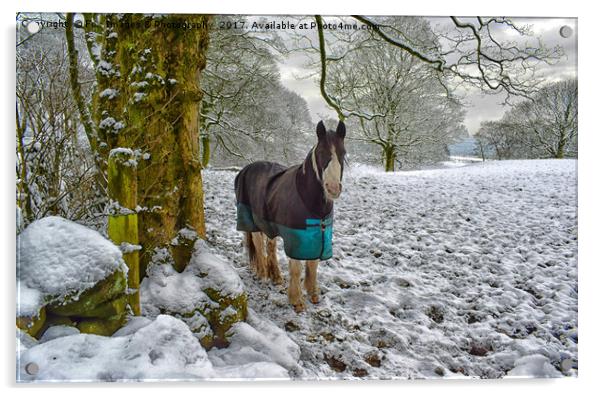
57 258
67 270
162 349
258 340
207 295
533 366
24 341
58 331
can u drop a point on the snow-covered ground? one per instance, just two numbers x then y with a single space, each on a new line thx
456 272
465 271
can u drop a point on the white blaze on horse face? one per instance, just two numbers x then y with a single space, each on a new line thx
314 163
332 176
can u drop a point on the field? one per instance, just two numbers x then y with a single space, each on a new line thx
448 272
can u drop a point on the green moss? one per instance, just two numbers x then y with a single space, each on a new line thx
206 151
207 342
182 252
107 309
105 290
220 323
122 181
104 327
123 228
212 331
132 260
32 325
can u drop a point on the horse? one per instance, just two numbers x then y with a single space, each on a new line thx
296 204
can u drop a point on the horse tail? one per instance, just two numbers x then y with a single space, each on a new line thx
250 247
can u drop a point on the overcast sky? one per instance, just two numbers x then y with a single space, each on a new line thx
479 107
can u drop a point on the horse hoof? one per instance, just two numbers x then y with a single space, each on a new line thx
278 281
263 277
314 299
299 307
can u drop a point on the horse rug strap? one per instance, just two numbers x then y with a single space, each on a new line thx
268 201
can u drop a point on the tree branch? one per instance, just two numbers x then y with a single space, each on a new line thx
326 97
86 119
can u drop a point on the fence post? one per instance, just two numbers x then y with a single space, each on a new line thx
123 219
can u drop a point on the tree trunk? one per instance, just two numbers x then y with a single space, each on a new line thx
89 127
498 152
206 150
24 196
559 153
163 68
147 99
482 151
561 145
389 157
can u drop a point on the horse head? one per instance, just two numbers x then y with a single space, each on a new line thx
328 158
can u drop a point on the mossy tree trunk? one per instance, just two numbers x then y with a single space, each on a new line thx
206 150
123 219
147 99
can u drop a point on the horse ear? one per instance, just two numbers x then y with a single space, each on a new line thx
341 130
320 130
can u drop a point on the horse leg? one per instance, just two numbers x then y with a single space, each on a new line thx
295 294
260 263
273 267
311 280
251 250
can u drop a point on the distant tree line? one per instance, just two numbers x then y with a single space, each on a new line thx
545 127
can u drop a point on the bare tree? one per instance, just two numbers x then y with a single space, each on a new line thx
470 51
464 52
239 73
549 123
55 173
400 105
246 113
501 138
545 127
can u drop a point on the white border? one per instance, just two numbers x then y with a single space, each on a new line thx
590 279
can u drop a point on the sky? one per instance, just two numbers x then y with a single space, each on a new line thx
479 107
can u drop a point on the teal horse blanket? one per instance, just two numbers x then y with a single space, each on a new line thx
268 200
